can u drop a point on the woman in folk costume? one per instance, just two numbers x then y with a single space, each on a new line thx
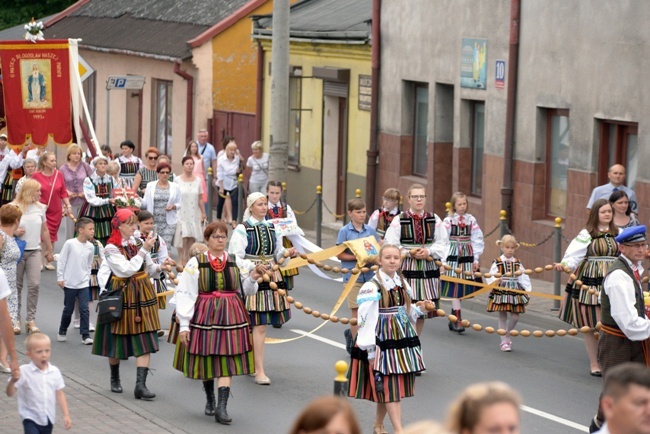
129 163
588 257
128 261
255 240
10 160
281 210
465 248
505 301
388 354
99 206
214 340
381 218
422 237
159 254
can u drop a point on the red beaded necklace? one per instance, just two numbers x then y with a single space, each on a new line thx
218 264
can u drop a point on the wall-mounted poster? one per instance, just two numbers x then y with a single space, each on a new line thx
473 66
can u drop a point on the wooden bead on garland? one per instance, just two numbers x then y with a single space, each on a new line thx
307 310
334 318
538 333
477 327
525 333
302 255
452 318
344 320
501 332
336 269
441 312
514 333
550 333
298 305
561 332
327 267
324 316
539 270
585 329
316 314
572 332
549 267
489 330
280 291
374 267
354 321
289 299
528 271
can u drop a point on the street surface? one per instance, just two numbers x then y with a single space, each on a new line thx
552 374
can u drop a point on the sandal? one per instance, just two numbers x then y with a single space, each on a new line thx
506 347
31 327
263 381
50 267
17 328
379 429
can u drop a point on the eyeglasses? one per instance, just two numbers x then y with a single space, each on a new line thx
418 197
218 237
152 158
163 173
645 246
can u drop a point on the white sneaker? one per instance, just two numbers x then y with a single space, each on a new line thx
61 338
91 327
87 341
76 323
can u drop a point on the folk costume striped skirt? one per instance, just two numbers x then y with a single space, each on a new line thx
136 333
267 307
424 278
506 301
160 286
102 216
460 256
288 274
579 308
220 341
398 358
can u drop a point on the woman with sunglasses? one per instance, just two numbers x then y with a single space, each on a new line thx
163 199
147 172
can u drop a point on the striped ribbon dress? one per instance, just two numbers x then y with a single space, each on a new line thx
97 207
589 258
283 211
505 301
465 247
136 333
209 299
385 327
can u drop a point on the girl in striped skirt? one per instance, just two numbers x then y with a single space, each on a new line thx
99 205
507 266
387 354
588 257
256 241
381 218
465 248
214 340
128 262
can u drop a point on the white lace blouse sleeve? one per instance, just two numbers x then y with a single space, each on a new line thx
237 247
373 221
440 247
493 270
249 285
577 250
478 243
393 232
89 193
368 301
524 279
187 291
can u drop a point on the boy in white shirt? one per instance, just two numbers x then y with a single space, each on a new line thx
73 275
39 388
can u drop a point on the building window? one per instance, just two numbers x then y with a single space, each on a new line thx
557 161
477 145
420 126
619 144
295 106
163 120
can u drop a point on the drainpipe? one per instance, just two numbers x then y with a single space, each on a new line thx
508 152
373 149
259 100
189 119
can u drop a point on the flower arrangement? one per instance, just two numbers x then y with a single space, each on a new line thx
34 31
128 200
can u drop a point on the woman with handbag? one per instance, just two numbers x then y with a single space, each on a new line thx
74 172
33 231
53 194
135 333
9 255
214 340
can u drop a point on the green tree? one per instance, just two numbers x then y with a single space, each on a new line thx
17 12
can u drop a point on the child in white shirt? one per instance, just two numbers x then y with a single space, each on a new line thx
39 388
73 275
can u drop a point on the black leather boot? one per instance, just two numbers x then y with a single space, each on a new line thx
141 391
459 324
116 386
220 414
210 403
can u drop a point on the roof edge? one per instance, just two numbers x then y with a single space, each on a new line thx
64 13
225 23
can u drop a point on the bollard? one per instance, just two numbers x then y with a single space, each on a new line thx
240 198
284 192
210 188
502 222
447 207
557 258
341 381
319 215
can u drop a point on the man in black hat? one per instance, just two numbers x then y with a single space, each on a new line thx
625 328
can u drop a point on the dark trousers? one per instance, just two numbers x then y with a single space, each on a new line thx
71 295
234 198
32 427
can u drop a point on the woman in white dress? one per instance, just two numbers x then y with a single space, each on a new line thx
259 164
192 212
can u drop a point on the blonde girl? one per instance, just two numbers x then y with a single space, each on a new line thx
465 248
504 301
381 218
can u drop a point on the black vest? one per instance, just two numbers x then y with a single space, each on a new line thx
605 305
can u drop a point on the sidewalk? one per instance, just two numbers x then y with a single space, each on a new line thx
90 411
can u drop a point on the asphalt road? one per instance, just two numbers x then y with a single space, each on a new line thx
550 373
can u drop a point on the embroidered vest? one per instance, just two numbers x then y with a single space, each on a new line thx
605 305
408 230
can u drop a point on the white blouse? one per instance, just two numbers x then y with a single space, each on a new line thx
476 234
122 267
89 189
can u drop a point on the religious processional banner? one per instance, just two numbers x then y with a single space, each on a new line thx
36 79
